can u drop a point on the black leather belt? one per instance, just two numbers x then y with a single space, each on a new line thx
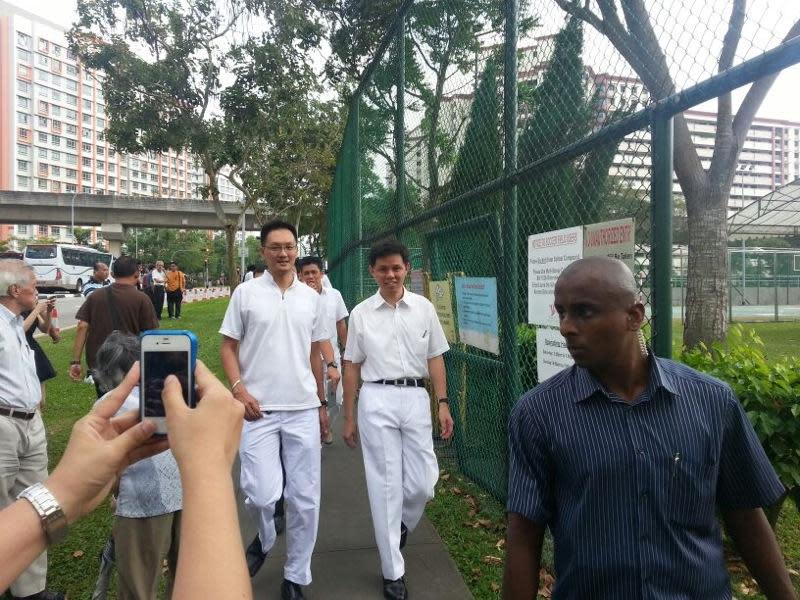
405 382
17 414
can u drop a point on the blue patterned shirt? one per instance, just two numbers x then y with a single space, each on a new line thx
630 491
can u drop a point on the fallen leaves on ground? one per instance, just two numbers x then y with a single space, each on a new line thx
77 554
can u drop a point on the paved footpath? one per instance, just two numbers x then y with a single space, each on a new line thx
346 564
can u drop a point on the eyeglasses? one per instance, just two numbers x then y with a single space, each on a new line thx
277 248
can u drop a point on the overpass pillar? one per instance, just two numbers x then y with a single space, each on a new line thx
114 234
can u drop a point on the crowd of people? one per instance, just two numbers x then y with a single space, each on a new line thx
626 457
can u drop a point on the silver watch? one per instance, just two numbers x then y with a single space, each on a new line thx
54 521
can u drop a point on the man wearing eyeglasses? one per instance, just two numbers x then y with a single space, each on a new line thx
273 333
23 443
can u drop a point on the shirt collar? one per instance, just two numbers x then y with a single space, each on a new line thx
379 302
585 384
8 316
270 280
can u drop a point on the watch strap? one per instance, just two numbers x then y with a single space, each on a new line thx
54 521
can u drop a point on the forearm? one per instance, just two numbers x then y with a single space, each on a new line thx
80 341
211 561
523 558
29 320
352 377
44 321
341 332
759 550
230 360
22 540
438 376
326 349
315 359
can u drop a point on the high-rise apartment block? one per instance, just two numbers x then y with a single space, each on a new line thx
52 123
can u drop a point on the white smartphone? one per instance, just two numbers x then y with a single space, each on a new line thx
165 352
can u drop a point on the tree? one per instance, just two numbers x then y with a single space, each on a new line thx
82 235
161 65
706 189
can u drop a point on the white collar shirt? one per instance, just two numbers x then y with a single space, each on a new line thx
391 342
19 385
275 330
159 277
335 311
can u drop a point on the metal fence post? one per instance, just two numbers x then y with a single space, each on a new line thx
400 123
661 251
356 187
509 276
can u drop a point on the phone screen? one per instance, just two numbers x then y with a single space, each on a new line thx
157 365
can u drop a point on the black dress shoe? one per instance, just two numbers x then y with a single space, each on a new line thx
255 556
403 535
395 589
291 591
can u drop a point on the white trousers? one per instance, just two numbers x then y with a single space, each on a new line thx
291 435
397 441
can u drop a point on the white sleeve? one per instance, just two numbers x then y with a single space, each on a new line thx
353 350
341 308
232 324
437 344
319 330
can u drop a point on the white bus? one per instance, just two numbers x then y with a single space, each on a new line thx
63 266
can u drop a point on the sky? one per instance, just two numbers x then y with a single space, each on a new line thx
767 18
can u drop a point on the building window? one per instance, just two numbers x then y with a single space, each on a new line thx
86 118
23 118
56 95
112 180
42 75
23 182
43 60
24 55
22 166
43 137
86 176
55 140
71 158
55 171
24 40
72 86
55 110
55 231
42 121
44 45
86 147
101 178
72 70
23 149
72 100
41 184
24 71
87 104
42 152
23 87
71 188
22 229
23 102
87 162
87 89
71 143
43 169
71 114
86 189
56 125
101 165
55 155
71 173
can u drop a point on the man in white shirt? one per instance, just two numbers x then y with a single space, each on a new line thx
272 336
394 343
23 443
158 276
310 270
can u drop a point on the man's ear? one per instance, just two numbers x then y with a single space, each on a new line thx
636 316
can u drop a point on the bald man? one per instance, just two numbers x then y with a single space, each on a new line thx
626 457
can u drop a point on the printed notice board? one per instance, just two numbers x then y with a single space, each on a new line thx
476 299
552 355
442 301
548 254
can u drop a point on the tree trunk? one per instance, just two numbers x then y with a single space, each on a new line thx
230 255
707 281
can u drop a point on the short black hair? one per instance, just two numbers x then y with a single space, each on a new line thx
259 268
274 225
309 260
124 266
388 247
97 265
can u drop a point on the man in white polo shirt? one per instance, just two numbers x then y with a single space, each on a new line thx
309 268
23 442
272 336
395 342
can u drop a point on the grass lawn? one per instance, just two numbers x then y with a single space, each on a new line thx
780 339
74 564
470 521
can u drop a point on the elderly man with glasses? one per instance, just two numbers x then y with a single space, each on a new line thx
23 442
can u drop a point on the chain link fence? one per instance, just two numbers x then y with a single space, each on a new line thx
485 122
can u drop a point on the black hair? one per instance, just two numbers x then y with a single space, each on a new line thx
97 264
388 247
274 225
259 268
251 267
309 260
124 266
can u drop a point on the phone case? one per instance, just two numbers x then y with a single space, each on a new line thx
192 352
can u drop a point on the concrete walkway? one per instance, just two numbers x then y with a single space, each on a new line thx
346 564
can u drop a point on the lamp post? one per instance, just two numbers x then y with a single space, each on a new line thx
72 216
743 169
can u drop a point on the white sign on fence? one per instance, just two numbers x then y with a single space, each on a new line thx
548 254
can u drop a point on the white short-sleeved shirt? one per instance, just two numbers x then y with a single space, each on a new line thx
19 385
159 277
275 331
335 311
393 342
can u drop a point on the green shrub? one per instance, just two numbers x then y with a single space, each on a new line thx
526 341
770 394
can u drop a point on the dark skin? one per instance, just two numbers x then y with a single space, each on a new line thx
600 318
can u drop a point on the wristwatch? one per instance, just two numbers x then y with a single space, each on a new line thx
54 521
333 364
444 400
323 403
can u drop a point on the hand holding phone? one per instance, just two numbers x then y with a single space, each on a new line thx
164 353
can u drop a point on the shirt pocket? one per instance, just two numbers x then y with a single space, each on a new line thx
691 498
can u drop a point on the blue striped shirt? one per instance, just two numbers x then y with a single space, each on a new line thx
629 491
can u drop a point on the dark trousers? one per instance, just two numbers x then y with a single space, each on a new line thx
174 300
158 299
